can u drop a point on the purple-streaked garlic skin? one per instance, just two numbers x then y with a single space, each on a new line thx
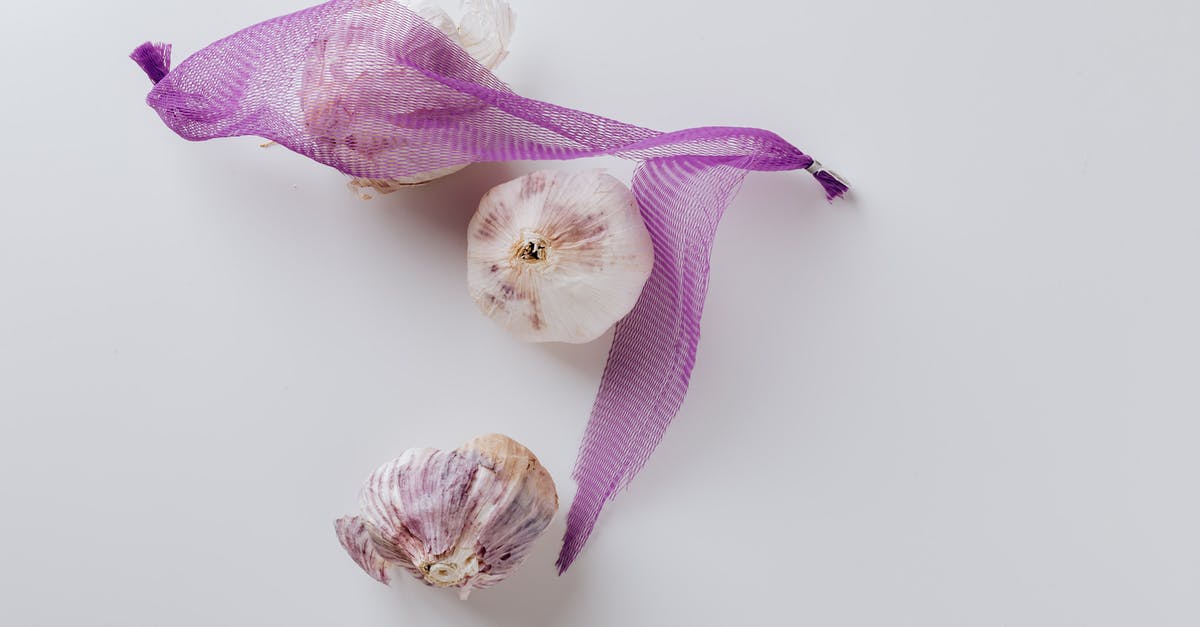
355 535
348 92
462 519
558 256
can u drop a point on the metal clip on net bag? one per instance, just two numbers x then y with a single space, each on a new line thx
408 100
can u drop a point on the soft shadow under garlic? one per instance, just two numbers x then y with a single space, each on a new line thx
446 204
587 359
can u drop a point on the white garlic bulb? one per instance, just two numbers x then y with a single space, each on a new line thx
557 256
348 74
461 519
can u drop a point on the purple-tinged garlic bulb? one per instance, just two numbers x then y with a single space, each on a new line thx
461 519
349 86
558 256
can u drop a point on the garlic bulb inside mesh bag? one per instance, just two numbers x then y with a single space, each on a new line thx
558 256
461 519
349 88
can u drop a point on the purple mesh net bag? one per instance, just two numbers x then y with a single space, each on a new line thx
372 89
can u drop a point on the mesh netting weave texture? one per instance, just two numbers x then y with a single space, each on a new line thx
372 89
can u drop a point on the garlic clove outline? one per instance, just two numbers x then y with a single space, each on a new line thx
485 30
348 73
464 518
558 256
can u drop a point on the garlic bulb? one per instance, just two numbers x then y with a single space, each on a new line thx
462 519
557 256
349 73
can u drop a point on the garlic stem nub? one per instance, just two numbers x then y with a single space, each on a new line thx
533 249
443 574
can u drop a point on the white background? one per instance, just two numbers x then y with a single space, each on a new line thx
968 396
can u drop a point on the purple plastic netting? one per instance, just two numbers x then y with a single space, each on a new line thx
370 88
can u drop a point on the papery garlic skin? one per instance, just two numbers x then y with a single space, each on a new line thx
351 68
558 257
461 519
484 30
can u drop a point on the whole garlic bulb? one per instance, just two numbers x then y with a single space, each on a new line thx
350 72
557 256
462 519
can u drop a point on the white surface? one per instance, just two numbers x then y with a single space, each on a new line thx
968 397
